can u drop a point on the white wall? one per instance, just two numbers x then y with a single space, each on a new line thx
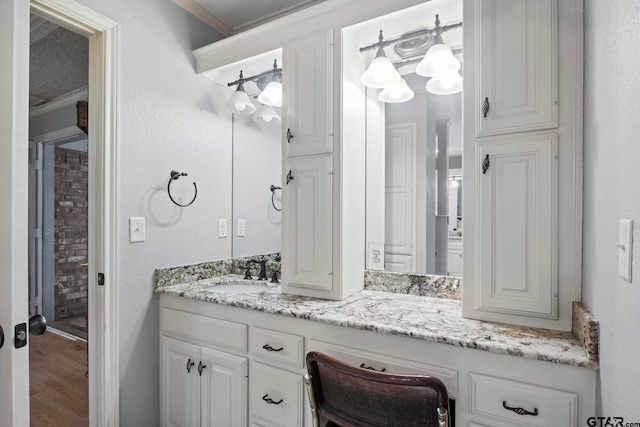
168 120
611 192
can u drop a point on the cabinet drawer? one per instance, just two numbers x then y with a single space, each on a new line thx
277 346
494 396
275 396
205 329
385 363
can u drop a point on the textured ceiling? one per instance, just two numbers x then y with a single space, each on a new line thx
59 61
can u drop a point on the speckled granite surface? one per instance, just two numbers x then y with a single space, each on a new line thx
418 317
413 284
586 329
206 270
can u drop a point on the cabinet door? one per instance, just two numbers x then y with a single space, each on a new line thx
307 79
516 226
224 389
307 241
179 384
516 66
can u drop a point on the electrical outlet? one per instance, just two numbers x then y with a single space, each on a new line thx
222 228
375 256
240 227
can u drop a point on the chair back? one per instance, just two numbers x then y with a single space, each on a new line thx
350 396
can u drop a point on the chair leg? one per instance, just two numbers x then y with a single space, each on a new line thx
312 401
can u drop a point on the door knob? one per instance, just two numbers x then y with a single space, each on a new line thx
37 324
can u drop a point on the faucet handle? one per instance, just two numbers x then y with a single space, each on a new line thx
274 276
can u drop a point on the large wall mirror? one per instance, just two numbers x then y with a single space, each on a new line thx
414 147
257 156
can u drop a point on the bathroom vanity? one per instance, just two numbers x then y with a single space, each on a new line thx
238 359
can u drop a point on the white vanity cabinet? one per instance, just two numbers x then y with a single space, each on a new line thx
521 159
516 83
201 385
478 381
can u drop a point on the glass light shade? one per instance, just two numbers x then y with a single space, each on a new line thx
272 94
240 103
396 92
445 84
265 114
438 60
381 73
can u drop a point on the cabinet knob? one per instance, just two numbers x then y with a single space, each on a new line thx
269 348
270 401
520 411
485 107
190 364
289 136
289 177
201 367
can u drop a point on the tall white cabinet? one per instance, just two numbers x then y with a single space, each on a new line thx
519 148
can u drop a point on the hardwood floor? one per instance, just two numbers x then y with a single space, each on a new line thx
58 383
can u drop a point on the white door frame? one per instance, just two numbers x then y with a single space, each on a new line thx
104 84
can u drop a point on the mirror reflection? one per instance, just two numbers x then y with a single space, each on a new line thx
414 173
254 108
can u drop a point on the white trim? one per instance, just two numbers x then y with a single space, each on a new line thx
60 101
205 16
57 135
104 91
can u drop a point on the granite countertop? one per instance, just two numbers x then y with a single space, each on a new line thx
419 317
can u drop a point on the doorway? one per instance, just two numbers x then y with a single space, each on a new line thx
58 218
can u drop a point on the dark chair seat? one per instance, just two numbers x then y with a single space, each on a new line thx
349 396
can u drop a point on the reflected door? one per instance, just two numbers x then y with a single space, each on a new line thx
400 245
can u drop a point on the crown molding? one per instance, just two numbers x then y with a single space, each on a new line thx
68 98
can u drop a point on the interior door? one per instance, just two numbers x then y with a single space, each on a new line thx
400 244
14 290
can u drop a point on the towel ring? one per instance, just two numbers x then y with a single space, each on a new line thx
175 175
273 189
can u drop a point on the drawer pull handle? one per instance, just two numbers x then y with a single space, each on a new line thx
485 107
270 401
363 366
201 367
520 411
190 364
269 348
485 164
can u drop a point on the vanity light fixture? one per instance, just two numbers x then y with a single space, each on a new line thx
396 92
265 114
381 72
239 102
272 93
439 63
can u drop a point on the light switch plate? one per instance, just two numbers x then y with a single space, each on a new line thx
240 227
222 228
625 249
136 230
375 256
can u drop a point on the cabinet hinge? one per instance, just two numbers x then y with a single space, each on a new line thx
38 233
556 157
38 164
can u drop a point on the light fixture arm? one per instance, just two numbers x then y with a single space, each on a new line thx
276 72
435 32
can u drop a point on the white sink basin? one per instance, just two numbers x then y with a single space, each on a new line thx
238 288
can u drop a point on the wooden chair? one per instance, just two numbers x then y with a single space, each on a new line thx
349 396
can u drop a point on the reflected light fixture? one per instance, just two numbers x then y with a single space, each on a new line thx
396 92
265 114
445 84
239 102
381 72
272 93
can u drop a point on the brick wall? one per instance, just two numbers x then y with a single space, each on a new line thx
71 232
